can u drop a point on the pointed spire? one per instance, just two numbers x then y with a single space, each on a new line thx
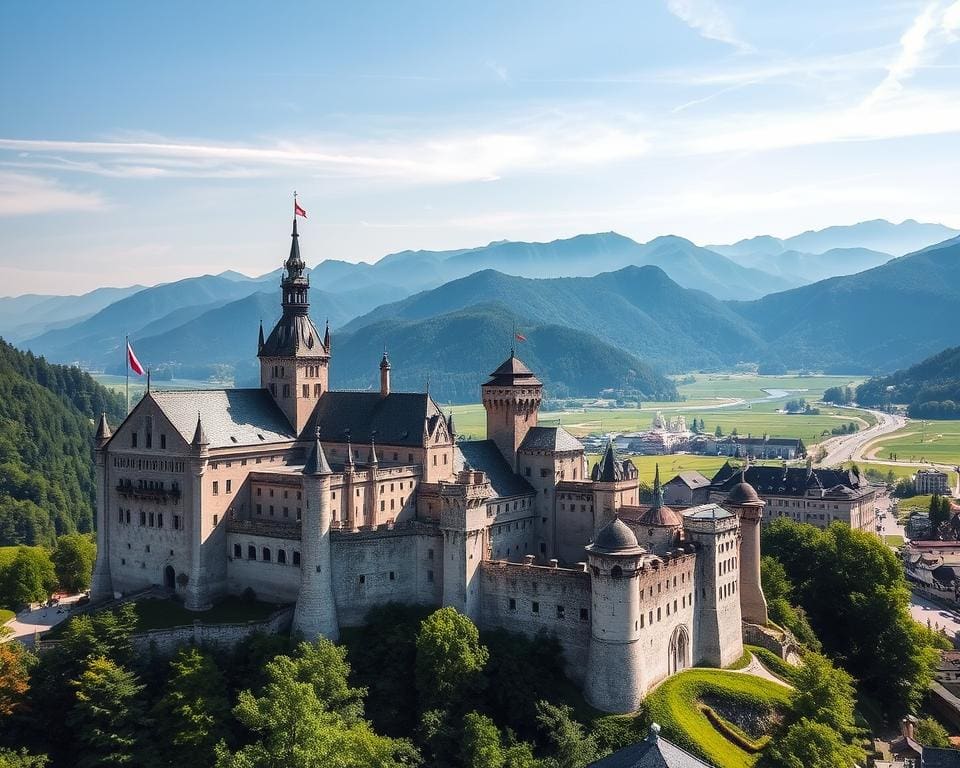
260 340
657 489
451 427
326 337
348 462
385 361
103 430
294 261
317 460
199 436
372 456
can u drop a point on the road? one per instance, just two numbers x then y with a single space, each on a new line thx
924 610
30 622
850 447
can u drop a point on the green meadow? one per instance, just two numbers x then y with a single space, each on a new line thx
934 441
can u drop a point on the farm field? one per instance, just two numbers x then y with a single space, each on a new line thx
752 386
934 441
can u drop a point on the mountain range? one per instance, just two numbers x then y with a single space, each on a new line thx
418 304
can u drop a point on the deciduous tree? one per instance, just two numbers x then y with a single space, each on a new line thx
450 658
73 561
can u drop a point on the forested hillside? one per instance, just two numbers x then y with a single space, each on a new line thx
46 429
931 388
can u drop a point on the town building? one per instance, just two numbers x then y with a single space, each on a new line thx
805 494
751 447
339 502
929 481
653 752
687 489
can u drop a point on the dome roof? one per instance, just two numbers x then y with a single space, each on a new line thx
743 494
616 538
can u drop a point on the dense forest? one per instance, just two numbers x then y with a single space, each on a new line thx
47 417
930 388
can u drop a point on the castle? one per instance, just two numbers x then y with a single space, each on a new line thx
339 501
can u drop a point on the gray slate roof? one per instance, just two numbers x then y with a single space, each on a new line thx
398 418
651 753
708 512
940 757
549 439
229 416
485 456
294 335
691 479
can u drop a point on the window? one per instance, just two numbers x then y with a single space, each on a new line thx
393 576
133 439
229 486
259 509
266 555
296 558
216 519
163 442
143 517
159 519
430 576
526 471
251 552
282 556
216 487
560 612
363 578
306 390
585 614
536 607
237 551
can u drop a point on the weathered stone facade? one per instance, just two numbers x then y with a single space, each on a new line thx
338 502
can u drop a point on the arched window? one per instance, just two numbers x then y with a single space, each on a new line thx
616 572
282 556
266 554
251 552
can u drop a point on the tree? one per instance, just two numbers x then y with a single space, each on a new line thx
566 743
807 744
482 747
15 665
191 717
30 578
21 759
824 694
73 561
774 580
108 714
450 658
930 733
324 666
290 725
718 432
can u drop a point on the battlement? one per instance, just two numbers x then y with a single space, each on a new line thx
529 570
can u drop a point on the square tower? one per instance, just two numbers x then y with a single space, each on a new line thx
512 399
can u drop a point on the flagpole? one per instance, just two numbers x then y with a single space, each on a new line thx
126 368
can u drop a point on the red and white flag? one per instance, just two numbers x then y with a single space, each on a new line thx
133 361
298 211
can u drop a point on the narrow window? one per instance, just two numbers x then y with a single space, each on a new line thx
216 487
229 486
282 556
430 576
251 552
266 555
560 612
536 607
296 558
237 551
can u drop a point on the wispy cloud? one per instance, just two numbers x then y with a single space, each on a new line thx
913 43
708 19
22 194
455 157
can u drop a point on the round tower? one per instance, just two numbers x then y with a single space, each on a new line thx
744 502
614 679
512 400
316 611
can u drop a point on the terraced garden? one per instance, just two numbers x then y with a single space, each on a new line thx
725 717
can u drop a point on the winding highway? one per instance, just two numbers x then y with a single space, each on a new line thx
850 447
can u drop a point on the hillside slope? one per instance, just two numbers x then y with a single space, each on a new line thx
46 463
875 321
930 388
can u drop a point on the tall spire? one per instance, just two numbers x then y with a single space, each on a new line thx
260 340
317 461
657 489
103 431
372 456
199 436
326 336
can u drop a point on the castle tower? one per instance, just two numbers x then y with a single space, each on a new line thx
463 524
512 400
316 611
294 359
384 375
101 588
744 502
615 680
615 484
196 598
718 634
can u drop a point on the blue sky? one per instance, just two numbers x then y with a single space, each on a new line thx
143 142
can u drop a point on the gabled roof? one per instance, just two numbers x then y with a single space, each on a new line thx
512 373
692 480
400 418
229 416
794 481
549 439
486 457
707 512
652 752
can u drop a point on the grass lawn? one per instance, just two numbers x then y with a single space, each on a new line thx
934 441
772 662
6 615
160 614
674 705
893 540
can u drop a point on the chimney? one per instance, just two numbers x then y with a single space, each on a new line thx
384 375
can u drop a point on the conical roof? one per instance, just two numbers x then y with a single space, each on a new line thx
199 436
317 460
103 429
608 469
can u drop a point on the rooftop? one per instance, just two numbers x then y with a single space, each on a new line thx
652 752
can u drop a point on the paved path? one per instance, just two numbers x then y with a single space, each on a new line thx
850 447
757 669
28 623
923 610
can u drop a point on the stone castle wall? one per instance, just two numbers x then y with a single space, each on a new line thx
530 599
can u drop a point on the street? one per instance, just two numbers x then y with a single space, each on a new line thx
27 623
850 447
924 610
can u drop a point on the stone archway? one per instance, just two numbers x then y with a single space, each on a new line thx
169 578
678 657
